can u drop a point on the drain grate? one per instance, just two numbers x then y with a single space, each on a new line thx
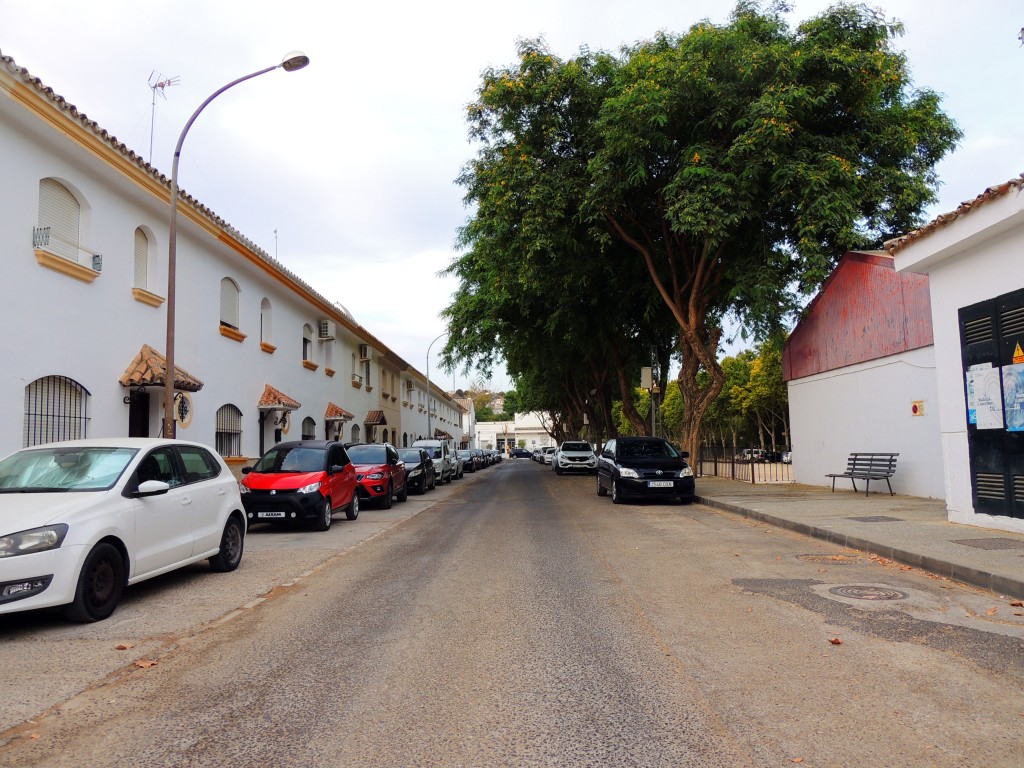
867 592
876 519
991 543
832 559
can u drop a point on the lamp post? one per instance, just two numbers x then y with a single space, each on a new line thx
290 63
430 431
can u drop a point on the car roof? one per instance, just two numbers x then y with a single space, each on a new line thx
305 444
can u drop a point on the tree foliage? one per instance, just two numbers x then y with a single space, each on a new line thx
620 201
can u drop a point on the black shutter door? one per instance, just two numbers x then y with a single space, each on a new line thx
1010 312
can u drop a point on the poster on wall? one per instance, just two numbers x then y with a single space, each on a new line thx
1013 397
983 385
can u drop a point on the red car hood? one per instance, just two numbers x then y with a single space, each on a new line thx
281 481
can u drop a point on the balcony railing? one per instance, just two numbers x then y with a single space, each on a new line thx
45 239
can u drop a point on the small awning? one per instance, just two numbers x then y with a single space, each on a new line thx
149 369
375 419
337 413
276 400
440 434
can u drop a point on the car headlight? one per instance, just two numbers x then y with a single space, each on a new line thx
375 476
311 488
687 472
243 488
416 472
34 540
627 472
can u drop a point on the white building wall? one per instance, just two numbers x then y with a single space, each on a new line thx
976 257
873 400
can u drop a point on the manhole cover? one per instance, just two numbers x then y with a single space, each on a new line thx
991 544
876 519
860 592
833 559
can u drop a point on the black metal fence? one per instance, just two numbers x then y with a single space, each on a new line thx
747 465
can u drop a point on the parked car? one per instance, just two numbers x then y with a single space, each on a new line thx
470 461
302 481
441 452
547 454
419 469
752 454
574 456
537 455
520 453
380 472
82 519
787 457
644 467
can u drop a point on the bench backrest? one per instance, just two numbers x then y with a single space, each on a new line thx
877 463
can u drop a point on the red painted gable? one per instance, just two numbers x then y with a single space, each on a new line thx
865 310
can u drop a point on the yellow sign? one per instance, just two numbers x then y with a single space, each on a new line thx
1018 354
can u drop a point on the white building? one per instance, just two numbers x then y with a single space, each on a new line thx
84 227
528 429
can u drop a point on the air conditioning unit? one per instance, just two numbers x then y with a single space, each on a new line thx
364 351
327 330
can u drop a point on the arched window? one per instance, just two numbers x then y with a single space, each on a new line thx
405 439
266 322
56 408
229 303
228 436
59 219
141 259
308 429
355 433
307 342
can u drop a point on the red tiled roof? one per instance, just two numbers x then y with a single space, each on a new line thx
337 413
149 369
964 208
375 418
274 399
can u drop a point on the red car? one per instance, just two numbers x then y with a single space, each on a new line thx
380 472
302 481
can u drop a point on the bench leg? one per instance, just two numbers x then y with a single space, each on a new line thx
854 482
867 491
833 485
891 493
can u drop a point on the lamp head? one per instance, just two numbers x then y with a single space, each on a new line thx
294 60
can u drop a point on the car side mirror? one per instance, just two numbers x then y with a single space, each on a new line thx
685 454
246 470
335 469
151 488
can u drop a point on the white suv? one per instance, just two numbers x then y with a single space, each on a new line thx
574 456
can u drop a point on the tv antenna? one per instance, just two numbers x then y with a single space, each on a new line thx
157 82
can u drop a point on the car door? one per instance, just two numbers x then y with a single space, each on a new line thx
208 496
605 463
163 523
340 485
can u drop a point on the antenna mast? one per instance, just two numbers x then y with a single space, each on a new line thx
157 82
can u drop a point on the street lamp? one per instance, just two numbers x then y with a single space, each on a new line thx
430 432
290 63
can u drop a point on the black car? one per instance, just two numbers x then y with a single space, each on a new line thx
521 453
419 468
644 467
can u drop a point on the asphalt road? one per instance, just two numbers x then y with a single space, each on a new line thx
522 621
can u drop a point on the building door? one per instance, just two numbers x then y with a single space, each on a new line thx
992 352
138 414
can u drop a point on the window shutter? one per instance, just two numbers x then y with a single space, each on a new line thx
141 259
59 210
229 302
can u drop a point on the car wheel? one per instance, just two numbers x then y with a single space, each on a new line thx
433 483
352 511
558 471
100 585
385 500
601 490
404 493
323 520
232 542
616 493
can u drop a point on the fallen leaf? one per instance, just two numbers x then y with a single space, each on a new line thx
823 570
992 611
797 760
124 646
34 736
145 663
1017 603
835 641
1018 613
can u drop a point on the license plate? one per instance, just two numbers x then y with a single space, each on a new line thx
270 514
659 483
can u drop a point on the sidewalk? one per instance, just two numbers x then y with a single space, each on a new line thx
907 529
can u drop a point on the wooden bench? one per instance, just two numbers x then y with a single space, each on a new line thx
867 467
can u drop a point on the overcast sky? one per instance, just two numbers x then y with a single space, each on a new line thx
345 170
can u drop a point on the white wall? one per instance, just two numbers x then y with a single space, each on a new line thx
873 401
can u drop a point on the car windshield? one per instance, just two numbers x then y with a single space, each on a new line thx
60 469
434 453
368 454
409 455
576 447
464 454
292 459
647 449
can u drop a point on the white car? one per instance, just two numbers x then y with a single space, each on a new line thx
82 519
574 456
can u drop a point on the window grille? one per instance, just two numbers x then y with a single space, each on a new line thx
56 408
228 436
